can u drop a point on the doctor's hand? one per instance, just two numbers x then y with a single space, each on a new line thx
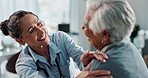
88 56
86 73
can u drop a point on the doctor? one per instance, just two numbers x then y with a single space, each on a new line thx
45 56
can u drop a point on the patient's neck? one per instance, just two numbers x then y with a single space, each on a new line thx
100 47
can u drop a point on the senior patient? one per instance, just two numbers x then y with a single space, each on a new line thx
45 56
108 25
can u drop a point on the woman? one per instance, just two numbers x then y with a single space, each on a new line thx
108 25
45 56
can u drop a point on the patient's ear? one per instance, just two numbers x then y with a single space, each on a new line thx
106 35
20 41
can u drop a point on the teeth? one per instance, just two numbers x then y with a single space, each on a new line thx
42 38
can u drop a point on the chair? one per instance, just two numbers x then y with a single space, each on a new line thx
10 66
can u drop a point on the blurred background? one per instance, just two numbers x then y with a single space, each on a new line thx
67 16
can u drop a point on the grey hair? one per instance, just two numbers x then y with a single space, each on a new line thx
115 16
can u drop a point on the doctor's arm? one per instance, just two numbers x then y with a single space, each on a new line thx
86 73
26 68
88 56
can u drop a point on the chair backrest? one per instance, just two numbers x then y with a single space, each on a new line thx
10 66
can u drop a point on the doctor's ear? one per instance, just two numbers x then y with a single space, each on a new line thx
20 41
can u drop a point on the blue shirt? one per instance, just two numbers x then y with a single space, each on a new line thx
124 61
61 48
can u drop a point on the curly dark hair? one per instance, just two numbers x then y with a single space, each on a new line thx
12 25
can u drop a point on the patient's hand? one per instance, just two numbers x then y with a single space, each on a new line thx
87 57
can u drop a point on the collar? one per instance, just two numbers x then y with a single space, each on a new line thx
53 49
36 56
107 47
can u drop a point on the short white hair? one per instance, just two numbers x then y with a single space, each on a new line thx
115 16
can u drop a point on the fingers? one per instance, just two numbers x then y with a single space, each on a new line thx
94 74
101 53
100 72
87 68
89 55
84 55
101 56
104 77
104 55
